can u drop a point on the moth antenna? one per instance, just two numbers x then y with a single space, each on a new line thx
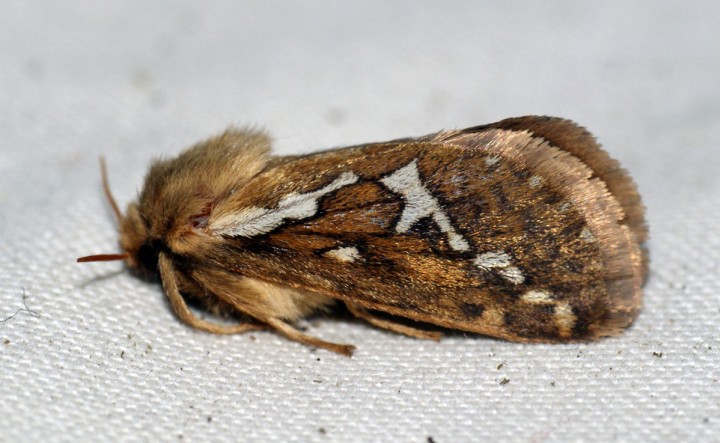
106 188
102 257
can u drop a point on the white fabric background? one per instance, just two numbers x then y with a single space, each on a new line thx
104 357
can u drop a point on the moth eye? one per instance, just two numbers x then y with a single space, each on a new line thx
147 258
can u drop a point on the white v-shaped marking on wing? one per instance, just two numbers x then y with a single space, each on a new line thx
419 203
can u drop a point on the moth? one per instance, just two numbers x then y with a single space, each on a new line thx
524 229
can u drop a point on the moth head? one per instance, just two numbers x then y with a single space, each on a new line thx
140 252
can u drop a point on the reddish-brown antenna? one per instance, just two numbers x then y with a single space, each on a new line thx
102 257
106 188
118 216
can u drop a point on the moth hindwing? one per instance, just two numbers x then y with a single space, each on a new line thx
523 229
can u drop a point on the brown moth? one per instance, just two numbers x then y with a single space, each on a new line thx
524 229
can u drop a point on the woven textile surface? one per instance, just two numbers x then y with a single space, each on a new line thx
91 352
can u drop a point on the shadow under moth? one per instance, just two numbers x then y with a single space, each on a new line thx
524 229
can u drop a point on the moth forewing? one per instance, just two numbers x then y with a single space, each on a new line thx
524 229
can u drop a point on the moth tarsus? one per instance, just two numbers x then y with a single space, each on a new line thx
524 229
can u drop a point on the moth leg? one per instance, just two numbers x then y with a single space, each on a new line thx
363 314
294 334
177 302
269 303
